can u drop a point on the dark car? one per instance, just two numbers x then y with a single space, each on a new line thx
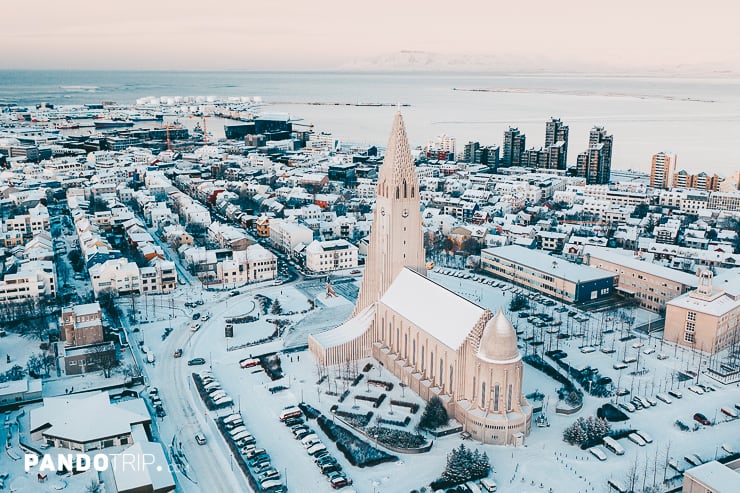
160 412
197 361
702 419
196 316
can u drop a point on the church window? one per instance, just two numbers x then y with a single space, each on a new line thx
398 193
431 364
496 396
405 346
405 194
413 352
398 339
483 395
508 405
451 380
422 358
441 373
412 192
474 388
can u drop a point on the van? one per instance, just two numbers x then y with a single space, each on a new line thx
488 485
675 394
619 366
664 398
616 485
598 452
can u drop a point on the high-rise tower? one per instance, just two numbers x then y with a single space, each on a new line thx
396 236
662 169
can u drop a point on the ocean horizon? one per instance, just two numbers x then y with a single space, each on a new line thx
696 118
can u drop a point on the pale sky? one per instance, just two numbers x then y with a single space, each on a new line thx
326 34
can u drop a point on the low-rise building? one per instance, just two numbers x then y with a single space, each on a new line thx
286 235
540 272
325 256
712 477
87 422
81 325
707 319
650 285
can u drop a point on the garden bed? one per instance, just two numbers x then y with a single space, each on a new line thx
357 451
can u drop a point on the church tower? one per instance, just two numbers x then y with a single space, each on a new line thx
396 236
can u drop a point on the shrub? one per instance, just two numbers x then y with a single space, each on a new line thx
357 451
397 438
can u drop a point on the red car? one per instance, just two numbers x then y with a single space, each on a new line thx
702 419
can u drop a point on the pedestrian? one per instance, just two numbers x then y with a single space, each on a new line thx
66 391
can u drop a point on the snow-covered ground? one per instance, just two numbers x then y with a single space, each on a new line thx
545 459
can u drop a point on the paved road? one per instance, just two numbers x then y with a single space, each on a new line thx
185 408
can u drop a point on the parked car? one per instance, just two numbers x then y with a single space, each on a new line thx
702 419
200 439
178 353
196 316
196 361
695 389
663 398
675 393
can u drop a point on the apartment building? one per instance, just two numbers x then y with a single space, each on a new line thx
286 235
325 256
118 275
29 280
661 170
650 285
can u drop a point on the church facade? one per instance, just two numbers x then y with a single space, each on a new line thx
435 341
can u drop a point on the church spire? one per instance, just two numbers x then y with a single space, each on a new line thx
396 237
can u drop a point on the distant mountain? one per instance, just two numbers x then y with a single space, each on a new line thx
414 60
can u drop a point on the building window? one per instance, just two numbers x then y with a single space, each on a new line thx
690 326
483 395
691 316
689 337
496 396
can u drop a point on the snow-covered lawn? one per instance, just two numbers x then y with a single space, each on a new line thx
545 459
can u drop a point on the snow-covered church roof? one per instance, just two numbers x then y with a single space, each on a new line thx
444 315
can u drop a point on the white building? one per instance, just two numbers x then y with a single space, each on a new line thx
118 275
286 235
324 256
31 280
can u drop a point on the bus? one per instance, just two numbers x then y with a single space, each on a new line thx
290 412
613 446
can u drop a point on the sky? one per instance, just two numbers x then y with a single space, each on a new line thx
331 34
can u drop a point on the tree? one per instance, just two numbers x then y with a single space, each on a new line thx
276 308
448 245
464 465
471 246
518 302
434 415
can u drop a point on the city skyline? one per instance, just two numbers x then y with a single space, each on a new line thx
673 37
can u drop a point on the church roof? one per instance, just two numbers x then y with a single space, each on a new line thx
348 331
444 315
498 342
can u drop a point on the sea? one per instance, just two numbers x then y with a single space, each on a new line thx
696 118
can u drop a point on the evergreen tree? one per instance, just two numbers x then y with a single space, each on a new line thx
276 308
434 415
